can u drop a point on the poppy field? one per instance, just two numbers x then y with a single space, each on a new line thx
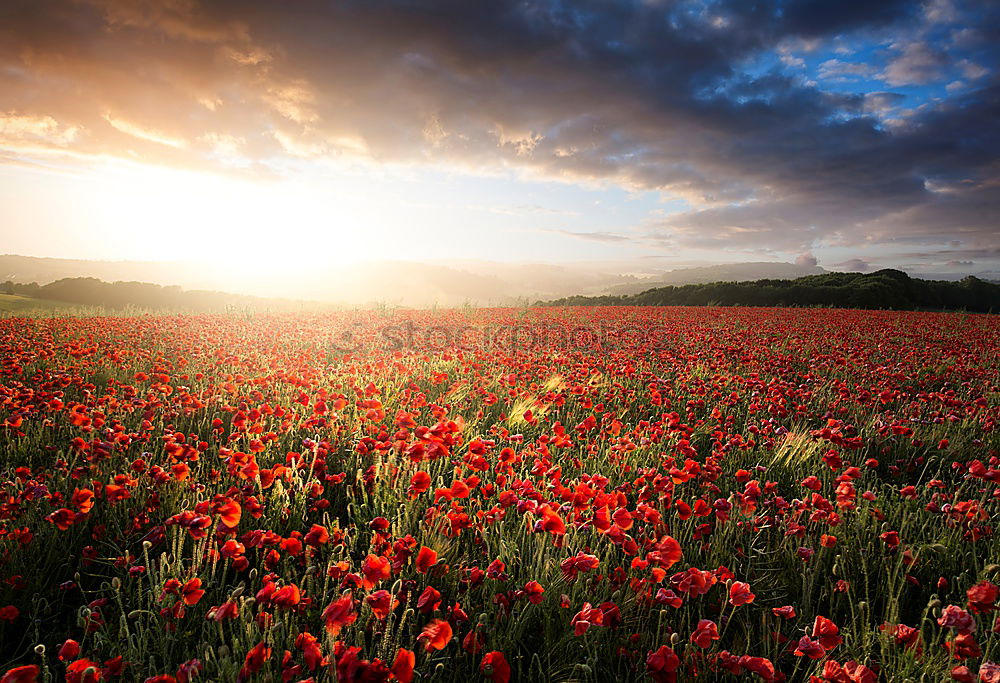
557 494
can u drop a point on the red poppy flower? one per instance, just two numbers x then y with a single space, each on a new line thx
662 665
551 521
425 559
83 671
254 661
739 594
227 610
585 618
316 536
229 512
495 667
705 633
374 569
667 553
962 674
63 518
381 603
809 648
955 617
83 500
429 600
827 633
339 613
419 483
287 596
534 591
311 650
69 650
402 666
983 597
21 674
435 635
192 591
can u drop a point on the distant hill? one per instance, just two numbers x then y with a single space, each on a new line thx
25 269
84 291
404 283
726 272
891 289
450 282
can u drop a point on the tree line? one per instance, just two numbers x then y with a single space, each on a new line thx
89 291
883 289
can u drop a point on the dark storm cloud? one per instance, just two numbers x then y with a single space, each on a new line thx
649 94
820 17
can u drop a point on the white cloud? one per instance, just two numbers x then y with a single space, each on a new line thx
917 64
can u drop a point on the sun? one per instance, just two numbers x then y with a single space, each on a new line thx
157 213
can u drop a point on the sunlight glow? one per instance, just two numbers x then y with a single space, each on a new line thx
166 214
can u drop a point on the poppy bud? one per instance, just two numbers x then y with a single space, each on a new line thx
40 650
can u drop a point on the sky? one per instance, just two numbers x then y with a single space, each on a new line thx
653 134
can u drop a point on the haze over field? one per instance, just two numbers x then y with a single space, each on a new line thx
445 282
489 151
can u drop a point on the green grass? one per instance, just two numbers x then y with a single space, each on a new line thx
17 305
